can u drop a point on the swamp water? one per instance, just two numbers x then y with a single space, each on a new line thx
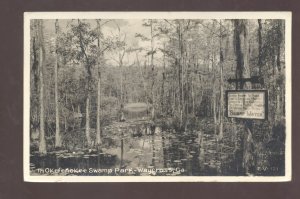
136 147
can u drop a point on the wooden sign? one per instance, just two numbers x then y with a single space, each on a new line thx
247 104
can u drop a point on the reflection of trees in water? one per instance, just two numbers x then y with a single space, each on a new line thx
122 151
194 151
153 150
164 149
168 149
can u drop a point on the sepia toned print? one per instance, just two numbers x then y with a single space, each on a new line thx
157 97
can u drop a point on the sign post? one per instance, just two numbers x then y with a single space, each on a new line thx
247 104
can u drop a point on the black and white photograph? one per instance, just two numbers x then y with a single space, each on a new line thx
157 96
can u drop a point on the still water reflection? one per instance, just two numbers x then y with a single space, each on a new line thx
136 149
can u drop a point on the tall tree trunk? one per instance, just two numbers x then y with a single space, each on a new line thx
65 114
163 83
193 97
152 71
259 47
88 86
42 144
279 103
242 52
122 150
187 88
35 85
214 95
243 71
180 76
122 118
87 120
58 140
221 84
98 132
87 111
121 80
66 125
35 63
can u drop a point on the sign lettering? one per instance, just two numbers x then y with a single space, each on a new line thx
247 104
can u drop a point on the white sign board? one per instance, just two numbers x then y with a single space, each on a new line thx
247 104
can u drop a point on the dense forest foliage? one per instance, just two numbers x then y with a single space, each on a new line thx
85 73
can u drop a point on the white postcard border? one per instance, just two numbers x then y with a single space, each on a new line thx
287 16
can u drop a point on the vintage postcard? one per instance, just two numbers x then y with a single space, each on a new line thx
157 96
